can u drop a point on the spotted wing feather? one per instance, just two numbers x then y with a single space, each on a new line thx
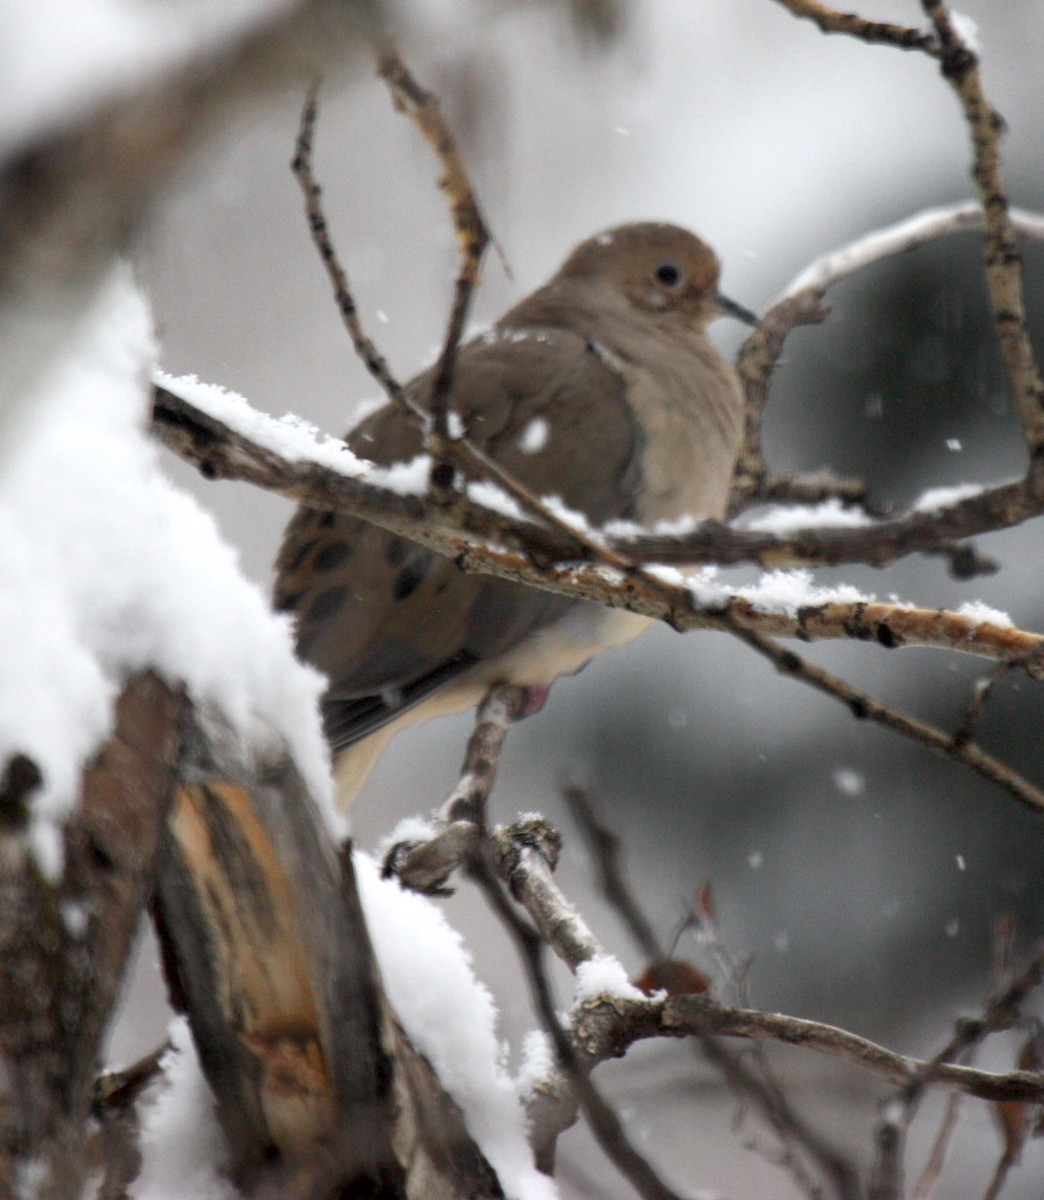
390 622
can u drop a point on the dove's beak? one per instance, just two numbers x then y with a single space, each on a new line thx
729 308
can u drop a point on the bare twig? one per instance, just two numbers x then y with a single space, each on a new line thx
802 303
1000 1175
830 20
423 107
117 1088
757 360
459 450
1002 970
933 1169
761 1087
606 1030
1001 1011
965 729
526 854
605 845
960 68
866 708
426 866
116 1144
364 345
602 1119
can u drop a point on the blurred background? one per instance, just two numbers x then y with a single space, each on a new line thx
862 875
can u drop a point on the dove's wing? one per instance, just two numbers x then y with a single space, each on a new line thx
390 622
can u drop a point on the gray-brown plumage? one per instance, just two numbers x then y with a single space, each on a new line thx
600 388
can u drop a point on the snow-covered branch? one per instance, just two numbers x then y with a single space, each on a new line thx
226 439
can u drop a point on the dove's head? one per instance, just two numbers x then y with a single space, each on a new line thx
658 270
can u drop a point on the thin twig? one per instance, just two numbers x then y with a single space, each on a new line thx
602 1119
802 303
607 1030
829 20
960 68
472 235
1000 1175
1001 1011
965 728
427 865
865 708
755 364
933 1169
116 1089
461 450
605 846
762 1088
364 345
248 448
1002 970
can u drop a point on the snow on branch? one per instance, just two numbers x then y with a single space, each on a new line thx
225 438
901 238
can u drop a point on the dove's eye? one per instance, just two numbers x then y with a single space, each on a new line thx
669 275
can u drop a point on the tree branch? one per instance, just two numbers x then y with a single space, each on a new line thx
64 942
960 68
221 451
830 20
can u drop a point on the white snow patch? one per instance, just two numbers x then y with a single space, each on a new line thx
492 496
784 592
673 577
182 1145
75 918
109 570
604 975
975 610
406 479
537 1065
451 1019
415 830
788 591
572 517
534 436
849 781
783 520
943 497
967 30
290 436
675 527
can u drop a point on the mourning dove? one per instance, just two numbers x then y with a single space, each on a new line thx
601 388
